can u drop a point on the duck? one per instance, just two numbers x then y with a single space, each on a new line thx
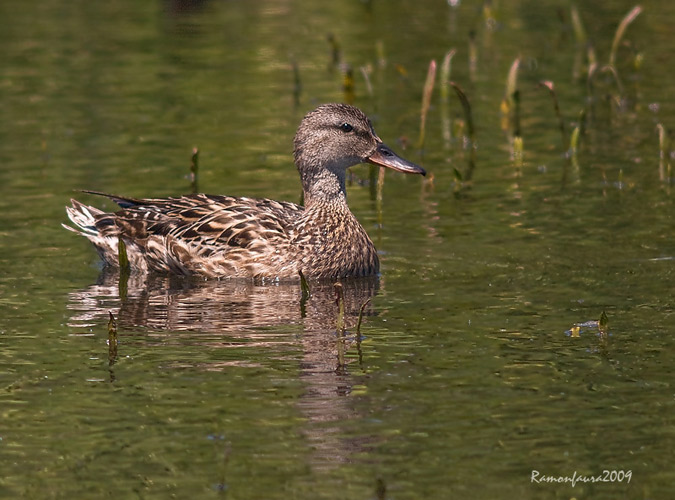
216 236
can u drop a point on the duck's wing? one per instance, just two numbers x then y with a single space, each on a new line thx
208 235
212 222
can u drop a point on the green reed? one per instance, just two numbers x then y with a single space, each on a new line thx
426 100
194 171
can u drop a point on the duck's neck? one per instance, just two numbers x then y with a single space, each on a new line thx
324 187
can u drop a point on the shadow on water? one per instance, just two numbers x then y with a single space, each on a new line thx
242 315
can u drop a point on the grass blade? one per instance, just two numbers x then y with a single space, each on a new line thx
363 307
623 25
510 103
112 339
426 99
445 74
297 83
578 26
340 299
304 286
444 90
556 107
663 152
194 170
466 106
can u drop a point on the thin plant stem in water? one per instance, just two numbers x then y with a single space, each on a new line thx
378 196
603 323
556 107
112 339
621 29
348 84
581 39
426 100
358 324
305 294
336 53
125 268
578 26
444 92
297 83
471 140
664 163
445 74
518 154
366 71
473 55
611 69
340 324
194 170
510 103
304 286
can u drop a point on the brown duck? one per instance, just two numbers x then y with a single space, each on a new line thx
224 236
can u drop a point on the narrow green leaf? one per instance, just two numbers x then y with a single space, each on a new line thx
304 286
629 18
426 99
578 26
122 257
603 323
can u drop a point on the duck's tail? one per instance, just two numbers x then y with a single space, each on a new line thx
85 219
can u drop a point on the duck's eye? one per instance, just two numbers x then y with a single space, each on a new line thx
346 127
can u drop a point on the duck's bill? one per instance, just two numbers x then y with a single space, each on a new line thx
385 157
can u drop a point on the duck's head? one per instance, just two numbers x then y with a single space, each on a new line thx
334 137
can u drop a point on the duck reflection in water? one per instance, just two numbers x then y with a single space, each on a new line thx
164 303
238 314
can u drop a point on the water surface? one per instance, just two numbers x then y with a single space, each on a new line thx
471 370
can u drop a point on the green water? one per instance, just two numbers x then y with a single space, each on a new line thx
469 373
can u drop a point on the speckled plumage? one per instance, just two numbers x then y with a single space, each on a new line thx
224 236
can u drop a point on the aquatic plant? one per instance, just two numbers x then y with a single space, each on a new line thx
578 26
336 53
664 157
603 323
556 107
340 324
621 29
510 102
297 83
304 286
444 92
366 71
348 84
426 100
358 324
194 170
112 339
470 139
125 268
